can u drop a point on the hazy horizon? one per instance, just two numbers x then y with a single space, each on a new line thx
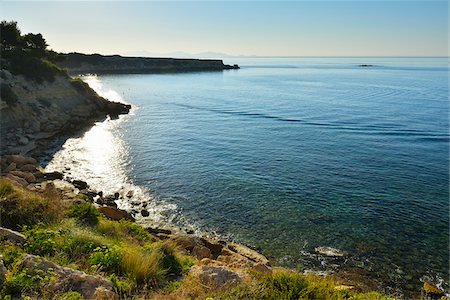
262 29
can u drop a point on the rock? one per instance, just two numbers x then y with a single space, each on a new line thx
20 160
25 175
53 175
89 286
115 213
23 140
11 167
248 253
235 260
158 230
2 270
329 251
201 252
116 195
17 180
431 289
80 184
186 242
29 168
145 213
12 236
216 277
108 201
130 194
261 268
214 246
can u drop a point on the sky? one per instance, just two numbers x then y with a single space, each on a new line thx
262 28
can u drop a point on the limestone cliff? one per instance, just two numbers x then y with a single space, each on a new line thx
95 63
33 113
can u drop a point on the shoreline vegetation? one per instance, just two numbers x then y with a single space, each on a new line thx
59 239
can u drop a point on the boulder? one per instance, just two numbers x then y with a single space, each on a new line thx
216 277
17 180
249 253
158 231
29 168
20 160
89 286
108 201
12 236
53 175
145 213
187 242
80 184
11 167
25 175
115 213
129 194
201 252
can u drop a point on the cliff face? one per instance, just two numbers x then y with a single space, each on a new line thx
96 63
33 113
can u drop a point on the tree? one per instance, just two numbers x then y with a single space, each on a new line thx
35 41
10 34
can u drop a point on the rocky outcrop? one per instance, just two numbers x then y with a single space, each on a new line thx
39 112
89 286
115 214
12 236
78 63
216 277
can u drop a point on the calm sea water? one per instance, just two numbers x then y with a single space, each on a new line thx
288 155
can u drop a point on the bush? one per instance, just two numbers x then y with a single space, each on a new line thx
20 207
41 242
11 253
71 296
84 213
8 95
81 245
107 259
20 281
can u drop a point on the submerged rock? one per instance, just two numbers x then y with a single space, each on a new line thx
330 251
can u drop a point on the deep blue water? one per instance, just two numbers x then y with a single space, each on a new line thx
291 154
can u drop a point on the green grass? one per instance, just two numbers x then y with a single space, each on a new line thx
84 213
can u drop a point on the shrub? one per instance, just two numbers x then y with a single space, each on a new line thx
107 259
81 244
41 241
11 253
71 296
84 213
19 207
8 95
283 285
20 281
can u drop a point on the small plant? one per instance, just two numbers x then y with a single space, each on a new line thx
107 259
11 253
84 213
21 280
41 241
71 296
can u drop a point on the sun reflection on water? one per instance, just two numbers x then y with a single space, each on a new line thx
99 157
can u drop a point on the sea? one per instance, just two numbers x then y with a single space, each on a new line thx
287 155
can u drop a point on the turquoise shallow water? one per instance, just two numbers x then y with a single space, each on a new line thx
290 154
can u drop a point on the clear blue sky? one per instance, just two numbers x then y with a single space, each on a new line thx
307 28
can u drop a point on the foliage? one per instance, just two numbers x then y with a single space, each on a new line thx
85 214
107 259
22 281
41 241
19 207
27 54
70 296
8 95
11 253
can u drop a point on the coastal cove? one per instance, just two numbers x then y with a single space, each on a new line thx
298 154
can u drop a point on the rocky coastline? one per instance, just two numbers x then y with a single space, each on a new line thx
45 112
78 63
